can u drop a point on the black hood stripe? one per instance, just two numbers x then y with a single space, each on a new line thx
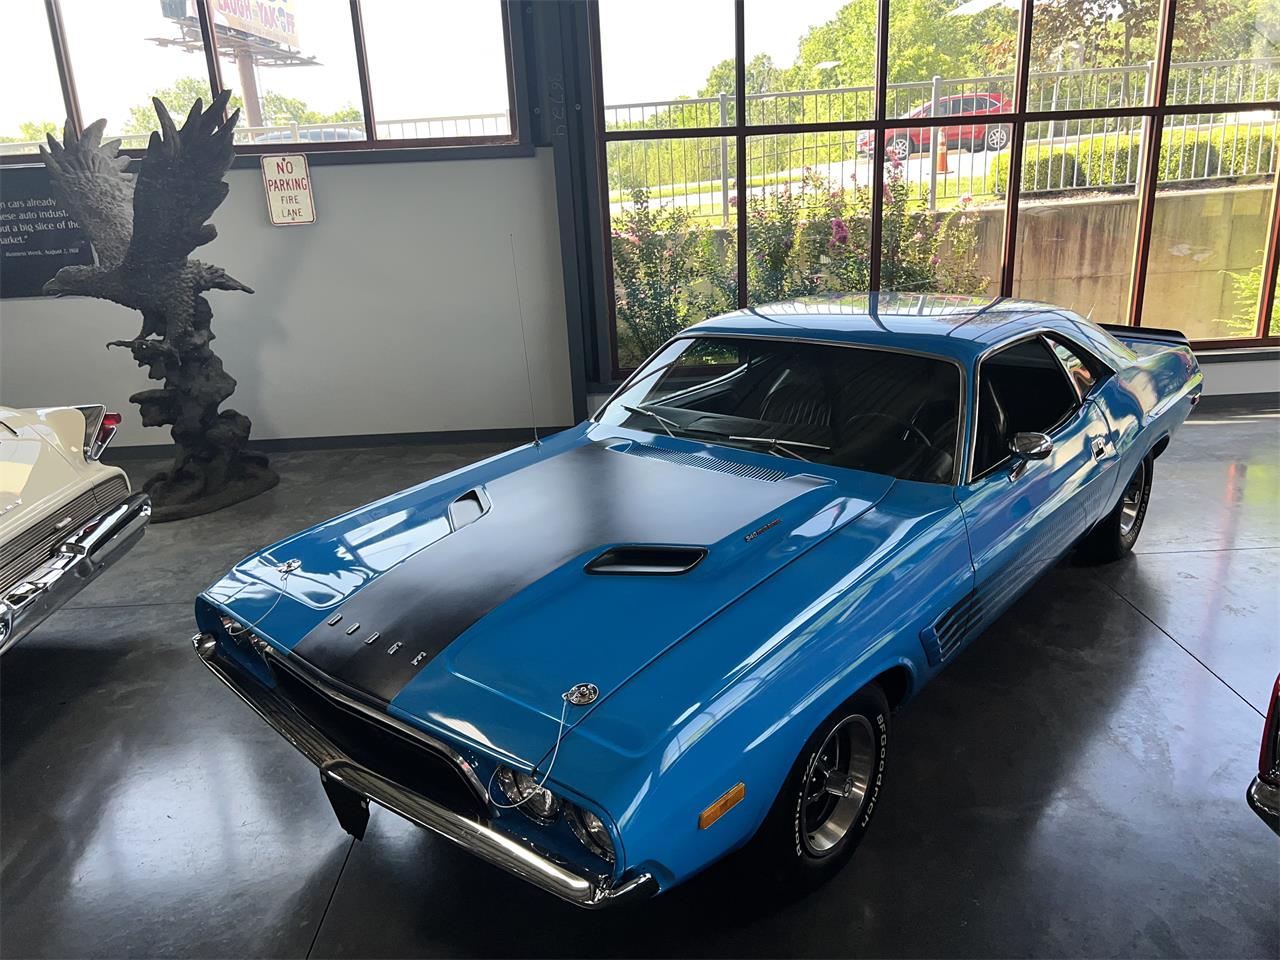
540 517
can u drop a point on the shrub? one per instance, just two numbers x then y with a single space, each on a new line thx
1116 160
1244 149
667 275
1042 170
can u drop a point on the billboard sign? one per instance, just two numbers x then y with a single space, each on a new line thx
270 20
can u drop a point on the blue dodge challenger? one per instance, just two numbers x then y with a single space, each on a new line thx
604 661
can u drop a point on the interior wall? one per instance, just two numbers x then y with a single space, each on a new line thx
394 313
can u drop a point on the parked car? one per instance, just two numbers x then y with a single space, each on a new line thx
64 517
983 132
1264 791
326 135
606 660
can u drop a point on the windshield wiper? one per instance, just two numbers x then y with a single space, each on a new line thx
645 411
778 445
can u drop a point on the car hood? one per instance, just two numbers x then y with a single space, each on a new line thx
35 473
473 610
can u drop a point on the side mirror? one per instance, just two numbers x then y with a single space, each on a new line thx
1026 447
1030 446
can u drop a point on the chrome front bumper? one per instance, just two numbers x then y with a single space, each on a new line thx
1265 800
477 837
75 563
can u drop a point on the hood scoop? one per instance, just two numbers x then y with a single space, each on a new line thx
646 561
701 461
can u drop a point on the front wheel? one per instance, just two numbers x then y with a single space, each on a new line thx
900 147
826 803
1115 535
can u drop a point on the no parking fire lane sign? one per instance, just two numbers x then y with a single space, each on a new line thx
290 201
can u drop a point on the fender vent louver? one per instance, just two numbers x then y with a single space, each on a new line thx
643 561
702 462
952 629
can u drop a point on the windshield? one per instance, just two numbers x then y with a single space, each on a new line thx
876 410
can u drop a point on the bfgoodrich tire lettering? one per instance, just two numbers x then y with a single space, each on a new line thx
826 804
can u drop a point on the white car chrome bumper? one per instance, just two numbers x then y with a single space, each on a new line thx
76 562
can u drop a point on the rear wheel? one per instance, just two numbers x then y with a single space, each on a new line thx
997 138
826 803
1115 535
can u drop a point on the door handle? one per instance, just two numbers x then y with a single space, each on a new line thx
1099 448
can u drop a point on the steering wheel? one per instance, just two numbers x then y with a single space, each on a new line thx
910 427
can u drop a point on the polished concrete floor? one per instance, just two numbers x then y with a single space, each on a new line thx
1072 786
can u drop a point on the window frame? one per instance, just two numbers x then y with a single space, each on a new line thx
1091 363
1018 117
957 468
1043 337
516 143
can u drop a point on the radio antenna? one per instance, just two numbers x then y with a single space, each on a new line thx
524 340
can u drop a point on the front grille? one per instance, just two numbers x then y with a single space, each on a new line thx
378 747
26 551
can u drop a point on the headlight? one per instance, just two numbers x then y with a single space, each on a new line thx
535 801
591 830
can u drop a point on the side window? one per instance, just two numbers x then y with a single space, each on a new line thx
1077 369
1021 389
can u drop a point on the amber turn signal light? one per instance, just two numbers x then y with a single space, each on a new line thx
722 806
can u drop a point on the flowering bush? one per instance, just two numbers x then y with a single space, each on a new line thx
669 273
819 239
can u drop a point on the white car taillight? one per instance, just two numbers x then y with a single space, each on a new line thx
100 426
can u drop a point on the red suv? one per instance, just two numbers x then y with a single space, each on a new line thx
977 134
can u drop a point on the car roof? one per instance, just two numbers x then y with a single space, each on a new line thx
952 326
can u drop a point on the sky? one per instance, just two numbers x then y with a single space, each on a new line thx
427 57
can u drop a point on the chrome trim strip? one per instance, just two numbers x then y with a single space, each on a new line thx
77 560
477 837
709 335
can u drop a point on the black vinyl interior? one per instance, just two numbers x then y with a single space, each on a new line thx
877 410
1022 389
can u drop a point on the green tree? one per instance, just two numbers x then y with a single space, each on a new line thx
762 77
277 109
924 40
1123 32
29 131
178 98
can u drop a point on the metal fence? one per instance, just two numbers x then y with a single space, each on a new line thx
425 128
697 174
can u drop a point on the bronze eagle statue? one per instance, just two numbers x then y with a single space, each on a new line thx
143 231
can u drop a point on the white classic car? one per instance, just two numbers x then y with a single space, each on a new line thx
64 517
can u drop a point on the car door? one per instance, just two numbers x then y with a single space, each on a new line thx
964 107
1022 515
1093 384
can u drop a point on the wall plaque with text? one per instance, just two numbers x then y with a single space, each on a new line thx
37 235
